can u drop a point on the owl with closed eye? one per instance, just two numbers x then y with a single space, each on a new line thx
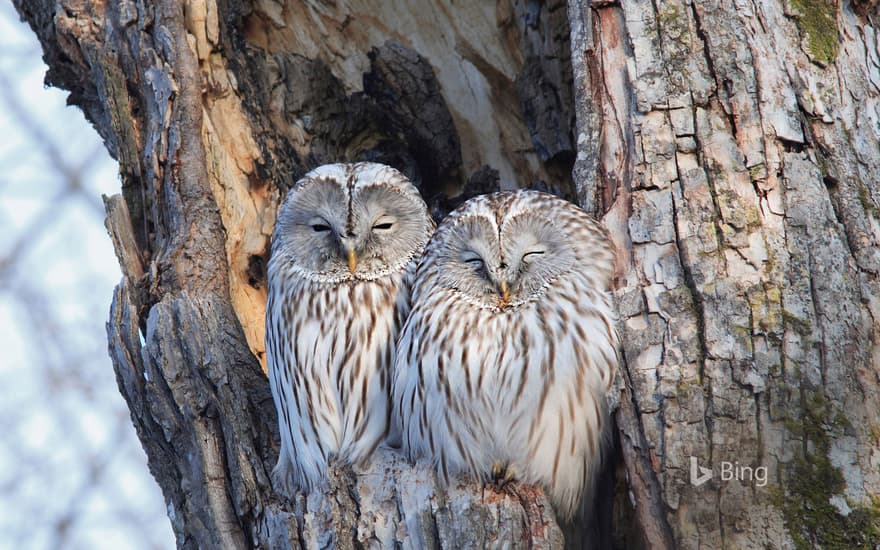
344 251
504 363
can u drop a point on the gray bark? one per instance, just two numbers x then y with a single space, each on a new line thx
734 148
731 149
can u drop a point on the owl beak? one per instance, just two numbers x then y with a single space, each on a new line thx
505 292
352 260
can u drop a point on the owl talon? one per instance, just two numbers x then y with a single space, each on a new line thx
502 476
510 476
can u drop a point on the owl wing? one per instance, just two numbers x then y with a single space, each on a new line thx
572 356
440 408
305 400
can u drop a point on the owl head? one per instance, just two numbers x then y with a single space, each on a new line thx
347 222
506 249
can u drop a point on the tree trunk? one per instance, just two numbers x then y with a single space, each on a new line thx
732 150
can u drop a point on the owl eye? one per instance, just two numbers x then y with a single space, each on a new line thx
383 223
320 227
532 255
473 260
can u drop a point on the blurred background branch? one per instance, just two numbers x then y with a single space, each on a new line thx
72 472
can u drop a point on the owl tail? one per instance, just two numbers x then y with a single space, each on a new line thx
283 478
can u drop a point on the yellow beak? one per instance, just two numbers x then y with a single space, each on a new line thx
505 292
352 260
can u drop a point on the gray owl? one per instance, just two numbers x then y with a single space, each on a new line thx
344 252
510 348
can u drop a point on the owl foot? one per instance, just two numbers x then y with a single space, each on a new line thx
502 476
498 470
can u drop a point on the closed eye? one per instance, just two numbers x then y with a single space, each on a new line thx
532 255
473 260
383 226
320 227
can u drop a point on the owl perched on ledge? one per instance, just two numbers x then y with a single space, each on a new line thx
510 348
344 251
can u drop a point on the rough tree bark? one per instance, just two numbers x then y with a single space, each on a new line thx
732 148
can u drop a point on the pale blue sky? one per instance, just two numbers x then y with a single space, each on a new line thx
72 473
